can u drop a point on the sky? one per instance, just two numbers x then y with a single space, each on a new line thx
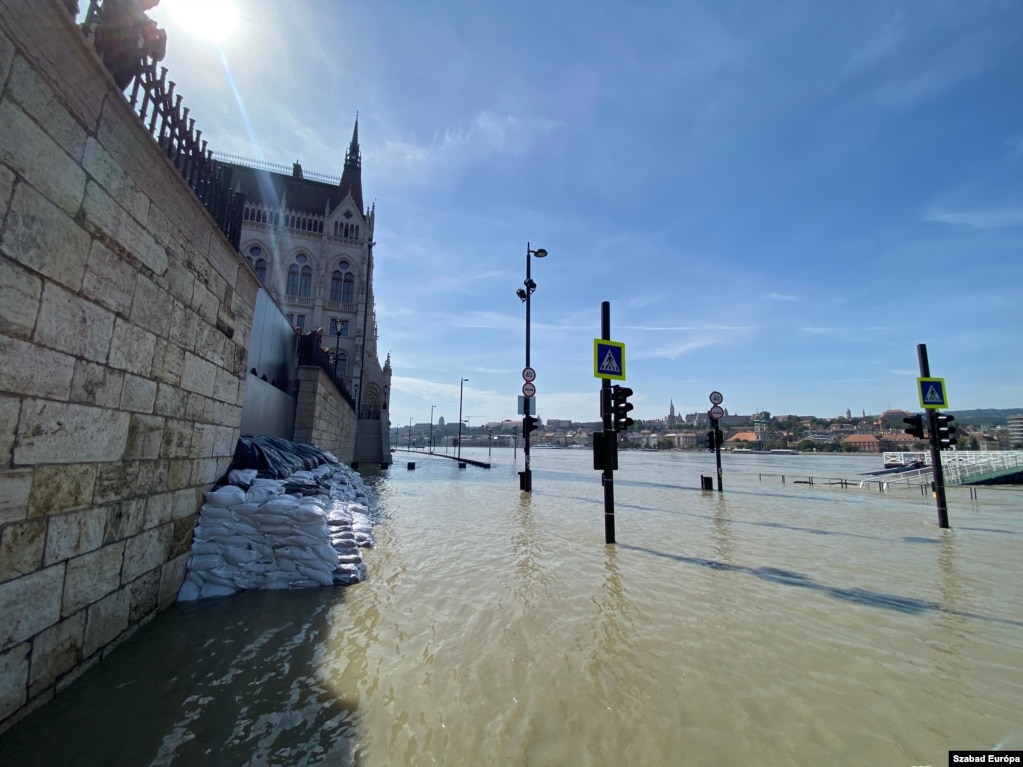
779 200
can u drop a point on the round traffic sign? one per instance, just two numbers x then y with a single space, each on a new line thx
716 398
528 375
528 390
717 412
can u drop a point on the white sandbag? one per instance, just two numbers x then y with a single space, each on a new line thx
293 552
277 533
242 477
317 564
216 590
299 539
205 547
220 580
245 510
236 555
282 504
307 513
326 553
226 538
241 528
188 592
313 574
261 494
205 561
259 566
265 518
228 495
211 513
285 564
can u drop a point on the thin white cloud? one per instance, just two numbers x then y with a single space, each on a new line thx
641 302
781 297
487 134
820 331
885 42
709 328
984 219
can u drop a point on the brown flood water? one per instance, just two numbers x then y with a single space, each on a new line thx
774 624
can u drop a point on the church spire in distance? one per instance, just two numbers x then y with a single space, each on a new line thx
351 176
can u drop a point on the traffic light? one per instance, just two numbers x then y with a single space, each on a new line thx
711 440
946 432
621 407
916 425
530 423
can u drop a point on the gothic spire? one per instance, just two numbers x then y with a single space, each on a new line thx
351 177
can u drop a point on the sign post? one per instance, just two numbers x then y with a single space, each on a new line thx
716 413
932 397
608 363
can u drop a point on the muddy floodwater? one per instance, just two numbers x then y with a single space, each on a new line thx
777 623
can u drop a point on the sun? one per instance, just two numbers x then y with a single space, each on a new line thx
213 20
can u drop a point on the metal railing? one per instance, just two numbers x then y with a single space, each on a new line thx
153 99
310 353
959 466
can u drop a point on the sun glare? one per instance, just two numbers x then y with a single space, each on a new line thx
213 20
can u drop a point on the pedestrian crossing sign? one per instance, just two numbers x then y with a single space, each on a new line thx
932 393
608 359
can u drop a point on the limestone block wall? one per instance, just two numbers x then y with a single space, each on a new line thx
322 417
124 324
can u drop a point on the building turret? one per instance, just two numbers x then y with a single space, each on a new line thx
351 176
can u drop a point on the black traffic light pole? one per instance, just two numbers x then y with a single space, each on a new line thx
932 434
717 452
607 477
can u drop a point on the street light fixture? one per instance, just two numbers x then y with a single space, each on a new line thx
460 389
524 294
431 427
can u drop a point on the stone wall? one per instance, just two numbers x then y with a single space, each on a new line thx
322 417
124 323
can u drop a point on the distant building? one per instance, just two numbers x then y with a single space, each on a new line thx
863 443
1016 431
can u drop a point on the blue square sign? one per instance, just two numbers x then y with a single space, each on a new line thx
932 393
608 359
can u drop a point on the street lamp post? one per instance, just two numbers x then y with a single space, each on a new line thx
409 433
461 384
337 344
490 442
431 427
526 476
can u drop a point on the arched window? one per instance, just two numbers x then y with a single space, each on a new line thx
342 284
335 286
255 258
293 280
305 284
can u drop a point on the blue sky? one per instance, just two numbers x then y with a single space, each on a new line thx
780 200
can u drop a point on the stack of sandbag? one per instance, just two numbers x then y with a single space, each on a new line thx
255 534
